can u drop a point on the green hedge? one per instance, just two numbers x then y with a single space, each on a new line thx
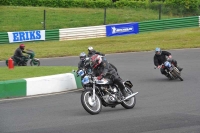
183 6
59 3
187 5
131 3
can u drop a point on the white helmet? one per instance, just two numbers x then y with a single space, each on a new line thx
90 48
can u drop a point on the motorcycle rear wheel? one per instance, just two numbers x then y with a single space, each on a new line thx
92 107
14 64
130 103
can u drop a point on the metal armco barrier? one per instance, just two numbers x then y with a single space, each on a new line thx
4 37
156 25
199 21
82 33
52 35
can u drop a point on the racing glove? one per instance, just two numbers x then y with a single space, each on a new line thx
99 77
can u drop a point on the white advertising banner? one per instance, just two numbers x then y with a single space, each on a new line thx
23 36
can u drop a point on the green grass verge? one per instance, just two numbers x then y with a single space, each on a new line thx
169 39
28 71
16 18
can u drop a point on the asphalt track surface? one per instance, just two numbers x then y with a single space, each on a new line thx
163 106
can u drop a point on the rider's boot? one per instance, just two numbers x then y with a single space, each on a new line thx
124 93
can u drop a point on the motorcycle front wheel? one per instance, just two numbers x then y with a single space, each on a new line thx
177 74
91 106
130 103
35 62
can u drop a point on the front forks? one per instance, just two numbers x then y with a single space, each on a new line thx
93 90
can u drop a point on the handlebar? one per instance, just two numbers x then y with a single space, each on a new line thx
168 57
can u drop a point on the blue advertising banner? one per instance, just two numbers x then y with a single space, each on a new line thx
22 36
122 29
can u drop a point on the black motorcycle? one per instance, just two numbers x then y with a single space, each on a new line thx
104 92
171 70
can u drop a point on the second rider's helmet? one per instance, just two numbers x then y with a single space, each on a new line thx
90 49
82 56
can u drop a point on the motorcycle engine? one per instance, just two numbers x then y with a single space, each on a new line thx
113 89
108 98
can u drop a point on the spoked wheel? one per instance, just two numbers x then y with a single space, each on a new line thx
91 106
35 63
130 103
178 75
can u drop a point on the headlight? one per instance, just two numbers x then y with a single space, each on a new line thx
85 80
80 72
167 64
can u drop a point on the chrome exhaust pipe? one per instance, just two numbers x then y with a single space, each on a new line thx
130 96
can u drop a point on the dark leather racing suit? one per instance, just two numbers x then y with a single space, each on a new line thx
104 69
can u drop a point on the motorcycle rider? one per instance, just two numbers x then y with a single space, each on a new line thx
81 63
18 53
101 68
160 58
91 52
84 62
